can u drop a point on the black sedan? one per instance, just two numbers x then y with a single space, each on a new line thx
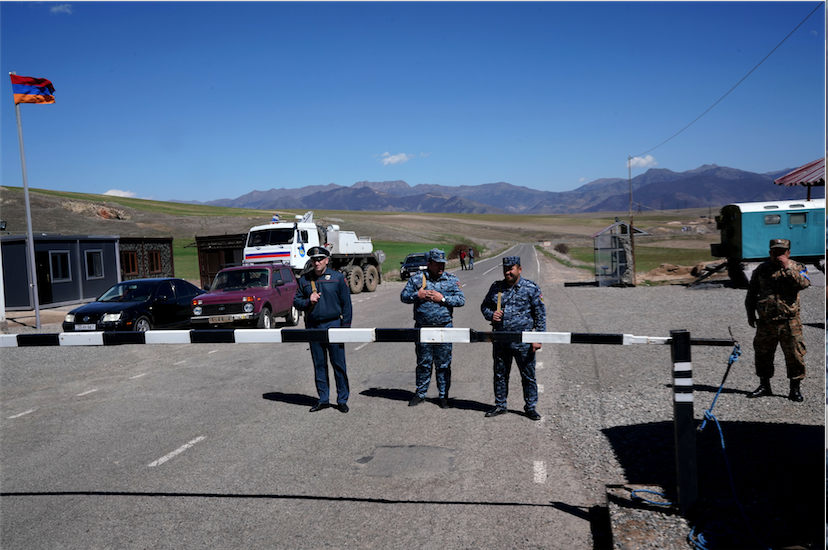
412 264
139 305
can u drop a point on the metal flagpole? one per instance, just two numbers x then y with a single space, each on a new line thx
32 266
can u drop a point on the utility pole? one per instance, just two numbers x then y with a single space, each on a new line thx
632 230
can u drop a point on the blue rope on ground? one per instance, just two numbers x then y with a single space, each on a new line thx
709 541
634 494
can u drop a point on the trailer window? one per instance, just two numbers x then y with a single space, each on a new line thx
773 219
800 218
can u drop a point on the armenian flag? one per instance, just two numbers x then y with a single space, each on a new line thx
32 90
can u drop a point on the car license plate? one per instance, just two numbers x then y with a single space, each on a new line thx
85 327
221 319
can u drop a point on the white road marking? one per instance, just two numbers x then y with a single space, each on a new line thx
362 346
539 364
213 351
540 388
22 414
176 452
540 472
138 376
87 392
180 363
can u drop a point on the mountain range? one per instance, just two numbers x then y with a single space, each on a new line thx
657 189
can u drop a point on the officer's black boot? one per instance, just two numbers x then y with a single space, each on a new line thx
763 390
795 395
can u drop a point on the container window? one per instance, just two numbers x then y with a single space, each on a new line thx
94 264
800 218
773 219
60 266
129 262
154 261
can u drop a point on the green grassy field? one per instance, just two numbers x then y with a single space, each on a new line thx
648 258
185 260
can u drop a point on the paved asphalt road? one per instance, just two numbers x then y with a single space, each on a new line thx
182 446
212 446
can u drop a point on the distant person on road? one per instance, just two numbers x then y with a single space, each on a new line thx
325 298
462 260
434 294
514 304
773 294
471 258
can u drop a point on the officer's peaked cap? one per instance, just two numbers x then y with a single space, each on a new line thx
318 252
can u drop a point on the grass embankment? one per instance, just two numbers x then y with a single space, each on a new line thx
648 258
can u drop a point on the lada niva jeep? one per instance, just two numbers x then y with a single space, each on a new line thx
251 295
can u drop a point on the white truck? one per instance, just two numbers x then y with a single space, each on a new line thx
288 242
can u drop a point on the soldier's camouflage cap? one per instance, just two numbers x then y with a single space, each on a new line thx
509 261
780 243
437 255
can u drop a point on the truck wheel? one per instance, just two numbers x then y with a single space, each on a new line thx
292 318
355 278
265 319
371 278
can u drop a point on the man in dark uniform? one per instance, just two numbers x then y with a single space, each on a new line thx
514 304
324 296
434 294
773 294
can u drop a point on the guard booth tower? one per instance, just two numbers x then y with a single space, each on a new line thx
613 254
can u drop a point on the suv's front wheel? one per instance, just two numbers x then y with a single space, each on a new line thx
265 319
292 318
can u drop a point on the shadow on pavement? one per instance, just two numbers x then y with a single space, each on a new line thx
292 398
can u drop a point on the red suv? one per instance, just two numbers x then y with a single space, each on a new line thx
251 295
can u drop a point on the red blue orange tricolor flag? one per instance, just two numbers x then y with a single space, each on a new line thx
32 90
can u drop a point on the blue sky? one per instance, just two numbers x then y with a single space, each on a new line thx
209 100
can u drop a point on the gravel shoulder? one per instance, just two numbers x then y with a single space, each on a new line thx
617 414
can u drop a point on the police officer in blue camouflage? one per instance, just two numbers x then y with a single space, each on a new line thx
325 298
514 304
434 294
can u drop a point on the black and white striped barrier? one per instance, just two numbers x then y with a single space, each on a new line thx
679 341
332 335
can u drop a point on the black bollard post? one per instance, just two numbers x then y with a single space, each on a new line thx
683 423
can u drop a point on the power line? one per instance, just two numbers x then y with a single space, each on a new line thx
734 87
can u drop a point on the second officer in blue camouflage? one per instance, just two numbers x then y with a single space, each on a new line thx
434 294
514 304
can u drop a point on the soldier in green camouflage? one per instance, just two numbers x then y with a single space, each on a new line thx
773 296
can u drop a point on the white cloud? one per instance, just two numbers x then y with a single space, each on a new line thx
62 8
119 193
388 158
642 162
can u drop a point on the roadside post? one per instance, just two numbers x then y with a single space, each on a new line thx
683 424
